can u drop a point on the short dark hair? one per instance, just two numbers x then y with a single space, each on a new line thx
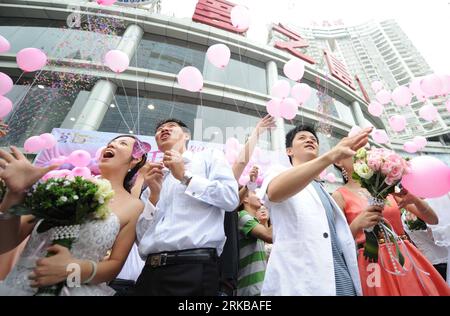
172 120
342 174
300 128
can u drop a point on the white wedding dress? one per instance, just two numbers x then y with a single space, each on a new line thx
96 238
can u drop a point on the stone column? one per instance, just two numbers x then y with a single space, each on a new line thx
359 116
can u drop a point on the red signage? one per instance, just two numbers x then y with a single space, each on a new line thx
363 90
215 13
338 70
292 46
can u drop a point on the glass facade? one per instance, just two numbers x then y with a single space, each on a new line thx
43 103
37 109
209 122
242 72
170 55
156 52
57 40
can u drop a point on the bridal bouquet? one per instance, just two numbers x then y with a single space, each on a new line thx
63 205
379 171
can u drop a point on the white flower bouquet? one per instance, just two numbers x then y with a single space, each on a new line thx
63 204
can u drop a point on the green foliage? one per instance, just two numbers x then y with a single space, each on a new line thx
61 202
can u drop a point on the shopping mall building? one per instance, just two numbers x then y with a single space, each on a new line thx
75 90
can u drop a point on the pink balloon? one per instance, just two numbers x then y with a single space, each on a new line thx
98 153
402 96
322 175
330 177
420 141
49 140
428 112
375 108
294 69
65 173
117 61
5 106
232 144
377 86
273 108
380 136
244 180
432 85
81 172
281 89
219 55
58 161
31 59
231 156
259 181
410 147
51 175
95 169
397 123
240 17
190 79
33 144
288 108
301 92
354 131
106 2
6 83
79 158
4 45
55 174
445 79
383 96
427 178
415 88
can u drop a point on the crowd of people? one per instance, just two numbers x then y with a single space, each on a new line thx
185 227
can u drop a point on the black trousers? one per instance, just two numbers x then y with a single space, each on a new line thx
122 287
185 279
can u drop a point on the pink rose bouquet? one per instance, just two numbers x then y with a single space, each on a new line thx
379 171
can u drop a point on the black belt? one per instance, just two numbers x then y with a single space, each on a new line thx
183 256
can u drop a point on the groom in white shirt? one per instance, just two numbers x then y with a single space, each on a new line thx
181 233
313 249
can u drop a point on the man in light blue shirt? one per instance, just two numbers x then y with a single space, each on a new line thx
180 233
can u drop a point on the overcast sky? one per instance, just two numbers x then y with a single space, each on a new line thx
427 23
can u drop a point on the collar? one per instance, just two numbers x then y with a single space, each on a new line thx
187 156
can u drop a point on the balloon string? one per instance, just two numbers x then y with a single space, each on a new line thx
241 68
128 105
118 108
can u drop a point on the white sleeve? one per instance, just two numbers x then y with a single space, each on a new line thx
219 188
147 216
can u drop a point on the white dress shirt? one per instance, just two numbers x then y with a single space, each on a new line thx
189 217
441 231
301 260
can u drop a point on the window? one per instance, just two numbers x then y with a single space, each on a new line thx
38 109
211 122
58 41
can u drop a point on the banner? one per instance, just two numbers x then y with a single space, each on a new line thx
91 141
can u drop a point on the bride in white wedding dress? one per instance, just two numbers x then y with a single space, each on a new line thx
97 239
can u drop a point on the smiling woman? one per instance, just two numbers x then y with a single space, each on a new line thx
120 161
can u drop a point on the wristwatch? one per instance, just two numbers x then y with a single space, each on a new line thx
186 178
